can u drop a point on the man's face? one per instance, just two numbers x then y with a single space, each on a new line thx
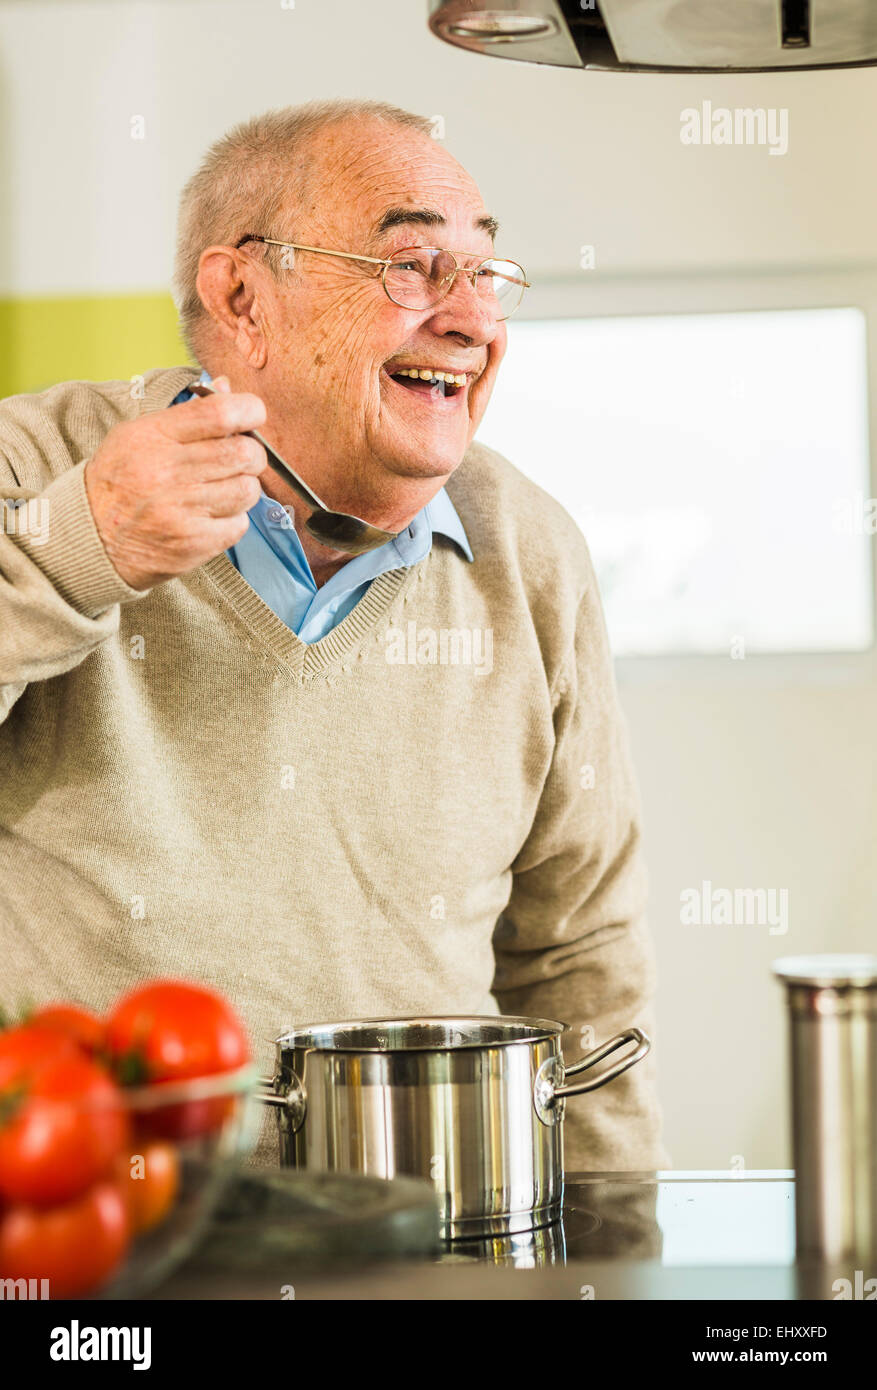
335 338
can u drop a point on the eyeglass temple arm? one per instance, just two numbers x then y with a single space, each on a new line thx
349 255
320 250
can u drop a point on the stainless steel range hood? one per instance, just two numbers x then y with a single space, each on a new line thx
665 35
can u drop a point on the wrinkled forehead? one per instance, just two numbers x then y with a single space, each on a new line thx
384 185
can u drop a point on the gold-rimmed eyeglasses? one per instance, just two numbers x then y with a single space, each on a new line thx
417 277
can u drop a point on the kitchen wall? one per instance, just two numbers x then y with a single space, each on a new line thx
755 774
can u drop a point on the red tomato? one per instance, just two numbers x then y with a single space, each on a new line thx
76 1247
176 1030
69 1019
62 1123
29 1046
172 1031
149 1182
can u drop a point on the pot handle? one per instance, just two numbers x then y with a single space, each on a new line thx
291 1099
630 1035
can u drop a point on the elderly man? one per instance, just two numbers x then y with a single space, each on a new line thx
332 785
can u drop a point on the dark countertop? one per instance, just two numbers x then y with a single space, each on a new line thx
671 1235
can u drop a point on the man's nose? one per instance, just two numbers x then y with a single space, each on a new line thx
463 310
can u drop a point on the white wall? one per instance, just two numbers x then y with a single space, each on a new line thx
752 777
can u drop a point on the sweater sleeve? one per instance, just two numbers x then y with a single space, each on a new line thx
59 591
573 944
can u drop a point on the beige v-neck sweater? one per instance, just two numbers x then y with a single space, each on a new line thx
429 811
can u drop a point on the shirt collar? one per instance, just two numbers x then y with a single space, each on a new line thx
439 514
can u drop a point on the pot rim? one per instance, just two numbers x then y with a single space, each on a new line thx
540 1030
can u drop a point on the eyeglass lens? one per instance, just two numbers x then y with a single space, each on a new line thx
418 276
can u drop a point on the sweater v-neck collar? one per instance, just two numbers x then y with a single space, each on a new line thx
304 659
307 659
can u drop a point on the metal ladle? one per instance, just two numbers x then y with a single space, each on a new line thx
334 529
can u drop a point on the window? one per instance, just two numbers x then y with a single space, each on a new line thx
718 465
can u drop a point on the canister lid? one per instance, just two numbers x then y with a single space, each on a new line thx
827 970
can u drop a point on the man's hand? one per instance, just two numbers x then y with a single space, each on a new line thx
171 490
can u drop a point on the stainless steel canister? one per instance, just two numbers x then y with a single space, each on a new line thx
474 1105
832 1002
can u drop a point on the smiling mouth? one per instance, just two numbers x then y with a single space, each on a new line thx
424 381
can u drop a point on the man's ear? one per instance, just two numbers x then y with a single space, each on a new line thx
217 282
226 287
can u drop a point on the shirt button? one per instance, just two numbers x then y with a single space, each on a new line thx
276 514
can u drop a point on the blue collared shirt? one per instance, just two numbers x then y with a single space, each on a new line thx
270 557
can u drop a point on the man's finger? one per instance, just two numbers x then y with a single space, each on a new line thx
214 417
231 497
208 459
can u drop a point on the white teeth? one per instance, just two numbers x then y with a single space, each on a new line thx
427 374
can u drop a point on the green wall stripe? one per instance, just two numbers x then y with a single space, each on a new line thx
44 340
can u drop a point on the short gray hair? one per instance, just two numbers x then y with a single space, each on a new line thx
243 183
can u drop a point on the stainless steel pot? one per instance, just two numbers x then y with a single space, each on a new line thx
474 1105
